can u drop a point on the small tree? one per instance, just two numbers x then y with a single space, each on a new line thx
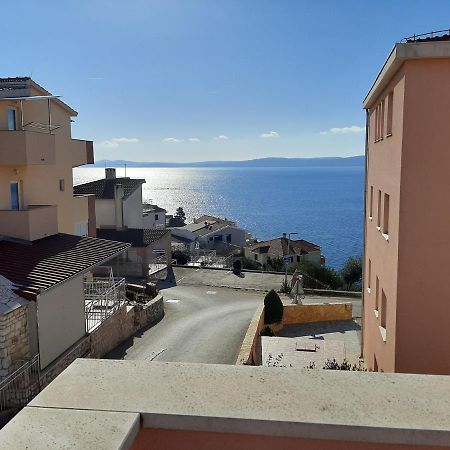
351 271
275 265
180 214
273 308
250 264
182 257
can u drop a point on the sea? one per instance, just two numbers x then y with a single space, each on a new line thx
323 205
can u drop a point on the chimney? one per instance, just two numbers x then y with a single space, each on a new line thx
118 200
110 173
284 235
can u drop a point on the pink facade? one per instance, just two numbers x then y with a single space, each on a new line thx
407 243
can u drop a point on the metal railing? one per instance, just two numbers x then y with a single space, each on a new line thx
103 297
425 36
21 386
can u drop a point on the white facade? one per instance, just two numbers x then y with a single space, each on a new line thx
227 235
154 219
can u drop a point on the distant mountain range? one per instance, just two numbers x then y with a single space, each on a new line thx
352 161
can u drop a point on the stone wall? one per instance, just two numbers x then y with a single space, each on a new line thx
316 312
14 343
249 353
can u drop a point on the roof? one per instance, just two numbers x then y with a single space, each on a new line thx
9 300
104 189
153 208
208 218
21 87
212 228
44 263
137 237
281 248
401 53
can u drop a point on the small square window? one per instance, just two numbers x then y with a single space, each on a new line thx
62 185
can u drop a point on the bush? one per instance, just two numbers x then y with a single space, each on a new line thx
250 264
351 272
267 331
285 287
273 308
275 265
324 274
344 365
181 257
237 267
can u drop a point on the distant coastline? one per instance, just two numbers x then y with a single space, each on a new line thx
351 161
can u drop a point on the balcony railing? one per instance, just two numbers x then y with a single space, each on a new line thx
21 148
34 222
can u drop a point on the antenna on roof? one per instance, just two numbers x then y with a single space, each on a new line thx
125 169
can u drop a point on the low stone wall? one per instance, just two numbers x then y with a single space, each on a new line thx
113 331
249 353
316 312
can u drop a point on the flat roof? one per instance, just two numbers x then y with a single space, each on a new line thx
399 54
318 404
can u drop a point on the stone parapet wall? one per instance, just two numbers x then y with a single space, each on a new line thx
316 312
249 354
14 341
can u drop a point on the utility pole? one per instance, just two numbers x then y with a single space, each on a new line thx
285 265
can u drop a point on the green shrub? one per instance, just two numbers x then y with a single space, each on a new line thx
250 264
182 257
273 307
324 274
267 331
351 272
344 365
285 287
275 265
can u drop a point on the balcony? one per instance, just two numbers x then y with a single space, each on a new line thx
82 152
21 148
34 222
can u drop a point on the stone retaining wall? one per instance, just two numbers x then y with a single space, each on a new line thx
250 352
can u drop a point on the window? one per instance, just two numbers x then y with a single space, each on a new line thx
11 119
256 256
229 238
383 308
379 210
156 217
386 215
62 185
382 119
371 203
377 293
15 195
390 111
369 274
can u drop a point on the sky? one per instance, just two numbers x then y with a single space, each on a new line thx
195 80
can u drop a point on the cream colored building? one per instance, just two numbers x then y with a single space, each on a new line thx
45 250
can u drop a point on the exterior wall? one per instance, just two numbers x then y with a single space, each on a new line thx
130 263
423 308
105 213
14 342
384 172
161 244
150 220
170 439
61 319
263 258
40 183
132 210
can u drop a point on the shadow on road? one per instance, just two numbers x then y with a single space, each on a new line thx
168 282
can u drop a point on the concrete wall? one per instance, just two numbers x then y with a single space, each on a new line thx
61 319
237 237
105 213
132 210
250 352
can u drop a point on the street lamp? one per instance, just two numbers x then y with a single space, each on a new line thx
285 265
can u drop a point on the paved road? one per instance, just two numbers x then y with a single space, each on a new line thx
201 324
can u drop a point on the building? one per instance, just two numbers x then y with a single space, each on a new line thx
407 244
154 216
37 154
201 406
213 233
46 248
120 216
291 251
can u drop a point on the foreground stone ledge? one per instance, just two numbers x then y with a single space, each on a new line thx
290 403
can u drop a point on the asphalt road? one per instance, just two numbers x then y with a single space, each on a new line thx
201 324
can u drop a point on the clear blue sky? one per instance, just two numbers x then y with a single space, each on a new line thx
190 80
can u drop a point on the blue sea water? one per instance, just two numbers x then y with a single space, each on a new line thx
323 205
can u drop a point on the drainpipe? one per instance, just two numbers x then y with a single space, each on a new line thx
118 200
366 167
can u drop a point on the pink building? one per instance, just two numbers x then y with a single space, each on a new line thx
407 218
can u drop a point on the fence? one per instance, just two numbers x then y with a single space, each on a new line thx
103 297
21 386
